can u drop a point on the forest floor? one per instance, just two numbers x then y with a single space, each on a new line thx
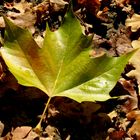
115 25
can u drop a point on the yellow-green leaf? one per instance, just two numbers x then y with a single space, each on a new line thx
62 67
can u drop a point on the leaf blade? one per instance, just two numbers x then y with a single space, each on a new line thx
98 88
62 67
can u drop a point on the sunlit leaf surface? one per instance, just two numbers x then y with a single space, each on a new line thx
62 67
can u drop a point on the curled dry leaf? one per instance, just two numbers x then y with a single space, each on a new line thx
133 22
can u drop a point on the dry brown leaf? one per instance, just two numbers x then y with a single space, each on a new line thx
1 71
121 3
21 132
136 43
53 133
131 102
1 128
117 135
133 22
82 112
58 4
2 24
135 129
26 17
92 6
39 40
32 136
135 61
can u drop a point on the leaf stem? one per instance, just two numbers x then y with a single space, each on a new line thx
38 128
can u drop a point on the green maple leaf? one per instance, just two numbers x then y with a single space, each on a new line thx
62 67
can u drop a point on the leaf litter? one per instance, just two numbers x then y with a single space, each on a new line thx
125 122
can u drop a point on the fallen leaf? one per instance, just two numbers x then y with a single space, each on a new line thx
116 135
26 17
1 71
1 128
131 102
135 62
92 6
53 133
21 132
58 4
62 67
121 3
32 136
2 24
135 129
136 43
133 22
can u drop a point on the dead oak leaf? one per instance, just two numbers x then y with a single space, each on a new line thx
133 22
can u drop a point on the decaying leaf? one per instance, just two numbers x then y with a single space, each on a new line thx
133 22
62 67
